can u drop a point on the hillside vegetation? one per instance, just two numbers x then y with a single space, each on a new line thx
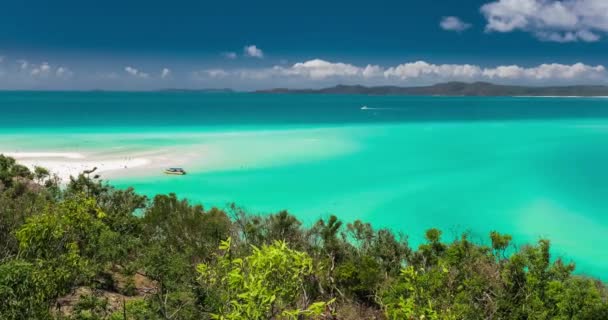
484 89
86 250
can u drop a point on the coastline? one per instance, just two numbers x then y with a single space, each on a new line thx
146 155
127 163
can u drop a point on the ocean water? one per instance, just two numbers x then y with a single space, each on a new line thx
531 167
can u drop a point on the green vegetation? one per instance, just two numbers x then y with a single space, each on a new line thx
89 251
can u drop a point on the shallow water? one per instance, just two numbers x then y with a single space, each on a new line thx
532 167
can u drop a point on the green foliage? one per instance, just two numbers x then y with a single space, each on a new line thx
90 307
11 171
82 184
25 291
465 281
183 228
175 277
258 230
360 277
14 211
68 242
264 285
413 299
135 310
329 232
41 173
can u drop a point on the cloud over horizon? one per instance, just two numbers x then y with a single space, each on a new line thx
136 73
165 73
308 73
417 72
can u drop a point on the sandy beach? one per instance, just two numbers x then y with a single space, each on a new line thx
109 165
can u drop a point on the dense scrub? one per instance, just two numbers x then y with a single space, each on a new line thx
89 251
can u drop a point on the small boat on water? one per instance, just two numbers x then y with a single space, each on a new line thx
175 171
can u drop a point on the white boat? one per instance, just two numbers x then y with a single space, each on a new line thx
175 171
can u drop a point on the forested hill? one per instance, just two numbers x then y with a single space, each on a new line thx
455 89
86 250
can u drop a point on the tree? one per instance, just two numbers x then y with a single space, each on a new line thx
25 291
10 169
184 228
500 243
268 284
360 277
68 242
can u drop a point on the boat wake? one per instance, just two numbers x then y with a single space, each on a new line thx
370 108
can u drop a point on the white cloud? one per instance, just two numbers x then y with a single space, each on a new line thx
422 69
253 51
63 72
467 72
549 20
310 73
165 73
453 24
414 72
210 73
552 71
229 55
23 64
132 71
316 69
43 70
320 69
371 71
136 73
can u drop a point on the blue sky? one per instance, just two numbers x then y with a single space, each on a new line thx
76 44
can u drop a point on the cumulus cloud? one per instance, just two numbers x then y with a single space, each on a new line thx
165 73
63 72
416 72
23 64
543 72
315 69
136 73
132 71
549 20
422 69
552 71
253 51
27 71
210 73
42 70
45 70
321 69
312 73
229 55
453 24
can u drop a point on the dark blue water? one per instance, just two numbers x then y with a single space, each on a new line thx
152 109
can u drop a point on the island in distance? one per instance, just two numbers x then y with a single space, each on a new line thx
457 89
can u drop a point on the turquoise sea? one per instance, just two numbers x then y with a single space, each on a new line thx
531 167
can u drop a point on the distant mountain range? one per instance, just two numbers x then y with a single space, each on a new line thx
456 89
220 90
